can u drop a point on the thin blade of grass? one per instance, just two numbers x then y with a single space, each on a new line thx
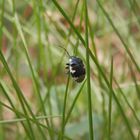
61 137
119 35
18 91
2 3
31 119
90 119
69 21
139 135
110 101
134 5
31 68
74 102
135 81
127 102
20 95
91 33
10 121
26 128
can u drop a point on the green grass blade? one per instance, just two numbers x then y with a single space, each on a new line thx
26 128
69 21
110 102
29 61
64 110
10 121
139 135
19 94
74 102
91 132
31 68
2 3
134 5
18 91
31 119
127 102
135 81
119 35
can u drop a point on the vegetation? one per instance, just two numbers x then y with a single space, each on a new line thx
39 100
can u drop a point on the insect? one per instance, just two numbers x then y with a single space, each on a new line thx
75 67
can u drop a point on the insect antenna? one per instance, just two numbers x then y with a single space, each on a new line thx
65 50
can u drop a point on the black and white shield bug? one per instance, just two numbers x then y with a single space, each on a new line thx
75 67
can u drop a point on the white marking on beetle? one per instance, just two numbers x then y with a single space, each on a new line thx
71 70
70 60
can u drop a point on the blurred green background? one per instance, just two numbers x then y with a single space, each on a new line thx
33 82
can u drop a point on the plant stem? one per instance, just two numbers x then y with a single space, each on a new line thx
88 76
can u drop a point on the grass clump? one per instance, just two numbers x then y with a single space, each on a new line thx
38 100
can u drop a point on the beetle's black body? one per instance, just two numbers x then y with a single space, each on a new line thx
76 68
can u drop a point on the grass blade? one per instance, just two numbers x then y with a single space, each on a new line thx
91 132
64 110
74 102
110 102
119 35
